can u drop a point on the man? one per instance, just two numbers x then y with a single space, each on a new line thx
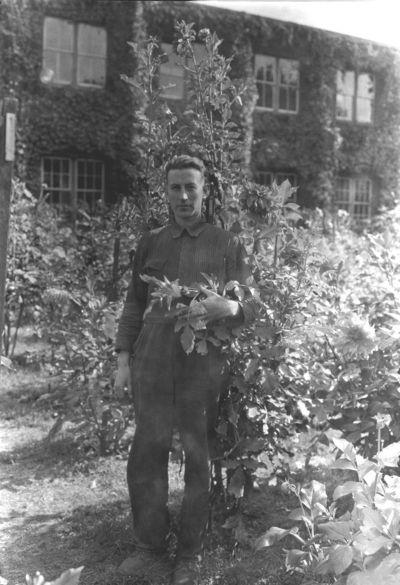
169 386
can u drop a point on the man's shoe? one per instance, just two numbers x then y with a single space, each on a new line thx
138 563
187 572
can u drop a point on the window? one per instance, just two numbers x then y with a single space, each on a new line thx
354 196
172 72
75 53
72 183
277 83
267 178
355 96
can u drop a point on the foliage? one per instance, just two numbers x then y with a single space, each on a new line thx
58 283
70 577
361 546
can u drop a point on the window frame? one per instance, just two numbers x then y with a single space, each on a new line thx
355 97
353 191
167 48
73 189
277 85
76 53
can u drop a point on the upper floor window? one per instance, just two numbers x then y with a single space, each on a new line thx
354 196
355 94
71 183
277 83
172 72
75 53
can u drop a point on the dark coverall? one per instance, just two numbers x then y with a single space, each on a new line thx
171 387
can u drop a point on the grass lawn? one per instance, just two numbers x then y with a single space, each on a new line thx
62 506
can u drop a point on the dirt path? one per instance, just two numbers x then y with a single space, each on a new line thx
62 507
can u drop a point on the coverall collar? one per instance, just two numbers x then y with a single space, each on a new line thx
194 229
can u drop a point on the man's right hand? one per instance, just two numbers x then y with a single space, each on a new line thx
123 378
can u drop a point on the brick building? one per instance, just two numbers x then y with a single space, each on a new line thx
326 114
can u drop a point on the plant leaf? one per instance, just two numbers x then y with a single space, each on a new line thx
188 339
336 530
340 558
389 456
272 536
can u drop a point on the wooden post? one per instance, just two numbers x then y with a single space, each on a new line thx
8 113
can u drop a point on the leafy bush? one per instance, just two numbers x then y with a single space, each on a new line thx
363 545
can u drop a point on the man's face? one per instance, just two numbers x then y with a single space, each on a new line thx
185 193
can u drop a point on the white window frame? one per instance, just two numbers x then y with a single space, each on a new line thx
175 63
353 203
73 191
276 65
353 97
75 51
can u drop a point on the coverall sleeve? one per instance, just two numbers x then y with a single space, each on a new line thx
238 269
130 322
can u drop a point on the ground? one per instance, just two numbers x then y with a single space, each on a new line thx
63 506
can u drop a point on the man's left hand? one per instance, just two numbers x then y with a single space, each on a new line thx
215 307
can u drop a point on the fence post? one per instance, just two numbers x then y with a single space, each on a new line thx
8 114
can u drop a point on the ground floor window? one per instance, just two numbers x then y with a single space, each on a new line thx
73 183
267 178
354 196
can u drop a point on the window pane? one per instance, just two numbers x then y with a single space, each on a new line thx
265 74
264 178
345 88
90 187
64 69
92 41
344 107
200 52
50 60
288 85
292 105
343 194
363 190
365 86
365 97
288 72
58 34
283 98
56 177
91 71
281 177
172 72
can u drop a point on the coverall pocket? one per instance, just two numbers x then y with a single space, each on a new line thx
153 267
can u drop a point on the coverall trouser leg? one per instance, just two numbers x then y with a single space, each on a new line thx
170 386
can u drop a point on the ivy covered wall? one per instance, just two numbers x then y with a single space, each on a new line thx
311 143
66 120
72 121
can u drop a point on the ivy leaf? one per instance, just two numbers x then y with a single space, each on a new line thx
340 558
188 339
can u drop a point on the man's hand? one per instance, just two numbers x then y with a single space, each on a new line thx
213 308
123 377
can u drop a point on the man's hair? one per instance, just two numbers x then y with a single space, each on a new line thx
183 161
